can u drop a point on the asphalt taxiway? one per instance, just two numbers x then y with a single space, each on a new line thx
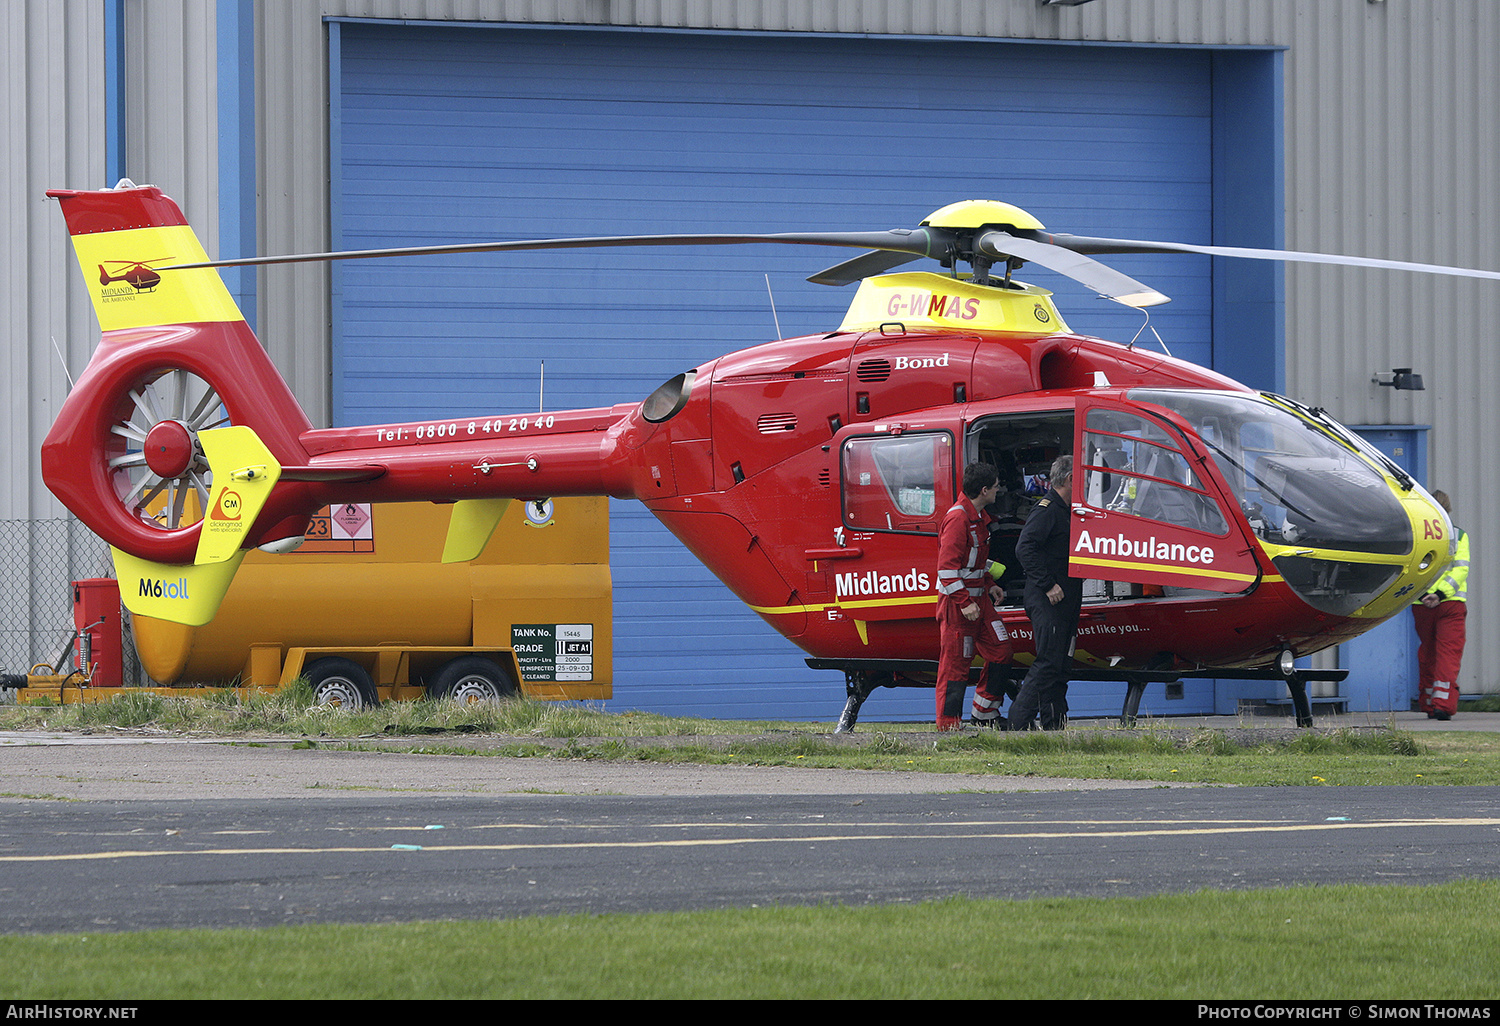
113 831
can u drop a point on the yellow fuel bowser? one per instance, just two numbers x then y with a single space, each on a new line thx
367 611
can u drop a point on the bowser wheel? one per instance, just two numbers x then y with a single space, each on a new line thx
154 459
341 683
472 679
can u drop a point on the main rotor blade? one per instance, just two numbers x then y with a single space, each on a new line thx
866 265
1106 281
1085 244
918 242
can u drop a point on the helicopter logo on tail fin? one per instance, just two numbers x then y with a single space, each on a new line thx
138 274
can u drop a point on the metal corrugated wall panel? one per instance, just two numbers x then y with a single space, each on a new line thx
53 79
169 96
52 76
1245 22
292 139
468 134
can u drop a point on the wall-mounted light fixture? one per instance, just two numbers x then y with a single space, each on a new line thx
1401 379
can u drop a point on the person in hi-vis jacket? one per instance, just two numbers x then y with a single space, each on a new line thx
1441 618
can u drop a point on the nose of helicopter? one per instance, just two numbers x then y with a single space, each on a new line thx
1432 550
1367 585
1346 529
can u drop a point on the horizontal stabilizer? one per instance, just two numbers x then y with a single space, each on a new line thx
470 526
342 475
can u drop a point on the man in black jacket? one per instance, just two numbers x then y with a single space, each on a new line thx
1053 600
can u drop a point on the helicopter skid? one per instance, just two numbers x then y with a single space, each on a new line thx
862 677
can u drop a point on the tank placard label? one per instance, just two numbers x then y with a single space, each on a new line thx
342 527
554 651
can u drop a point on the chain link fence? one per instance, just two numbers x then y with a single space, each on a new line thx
39 561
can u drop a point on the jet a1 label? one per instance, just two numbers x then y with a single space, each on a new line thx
554 651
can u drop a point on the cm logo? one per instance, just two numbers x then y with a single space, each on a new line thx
228 507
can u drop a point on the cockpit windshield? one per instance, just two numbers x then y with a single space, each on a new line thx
1296 481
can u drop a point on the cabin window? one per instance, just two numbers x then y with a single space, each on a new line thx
1297 480
897 482
1133 466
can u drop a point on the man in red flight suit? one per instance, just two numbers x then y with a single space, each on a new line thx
966 614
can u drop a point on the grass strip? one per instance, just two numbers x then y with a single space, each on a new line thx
1239 755
1343 942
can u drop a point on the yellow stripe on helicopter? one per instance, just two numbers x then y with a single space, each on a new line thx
921 299
128 292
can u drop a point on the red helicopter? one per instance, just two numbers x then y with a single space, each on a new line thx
138 274
1225 532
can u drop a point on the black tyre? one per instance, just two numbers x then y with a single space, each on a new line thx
341 682
471 679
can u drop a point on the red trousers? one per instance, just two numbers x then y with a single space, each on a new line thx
962 640
1441 631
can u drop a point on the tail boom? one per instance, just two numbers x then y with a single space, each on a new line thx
576 452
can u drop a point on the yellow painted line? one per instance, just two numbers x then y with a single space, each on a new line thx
913 600
818 607
1166 568
1089 835
742 825
931 600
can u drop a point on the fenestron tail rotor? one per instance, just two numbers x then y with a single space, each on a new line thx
160 474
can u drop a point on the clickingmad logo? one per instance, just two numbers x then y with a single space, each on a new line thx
228 507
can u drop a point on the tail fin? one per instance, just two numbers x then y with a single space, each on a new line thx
470 526
131 453
127 233
244 473
187 594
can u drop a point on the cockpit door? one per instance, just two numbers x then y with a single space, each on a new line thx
1145 509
